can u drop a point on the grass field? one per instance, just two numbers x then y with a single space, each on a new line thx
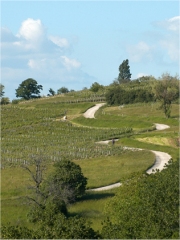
35 127
136 116
108 170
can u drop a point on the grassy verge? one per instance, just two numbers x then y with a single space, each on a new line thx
92 207
174 152
108 170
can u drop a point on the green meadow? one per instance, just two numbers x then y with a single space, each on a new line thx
37 128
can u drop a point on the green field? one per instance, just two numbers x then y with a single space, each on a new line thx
36 127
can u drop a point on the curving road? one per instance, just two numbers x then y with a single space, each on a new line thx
91 111
161 158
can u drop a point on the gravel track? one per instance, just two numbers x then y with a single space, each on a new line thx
91 111
161 158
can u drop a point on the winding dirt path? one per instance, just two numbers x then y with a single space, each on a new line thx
91 111
161 158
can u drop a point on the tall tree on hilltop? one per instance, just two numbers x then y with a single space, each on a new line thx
1 90
124 72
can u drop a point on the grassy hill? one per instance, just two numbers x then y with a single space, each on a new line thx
37 128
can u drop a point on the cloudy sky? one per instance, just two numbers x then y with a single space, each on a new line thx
76 43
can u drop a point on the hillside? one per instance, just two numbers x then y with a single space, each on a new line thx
37 127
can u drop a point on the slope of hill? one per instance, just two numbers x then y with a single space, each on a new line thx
37 127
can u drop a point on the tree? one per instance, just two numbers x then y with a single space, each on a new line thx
145 207
124 72
5 100
62 227
38 197
115 96
62 90
167 90
52 92
52 226
1 90
18 232
28 89
67 183
47 212
63 186
96 87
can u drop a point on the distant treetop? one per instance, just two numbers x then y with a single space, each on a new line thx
124 72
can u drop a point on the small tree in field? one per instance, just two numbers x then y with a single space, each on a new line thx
5 100
63 186
52 92
96 87
62 90
67 182
124 72
167 90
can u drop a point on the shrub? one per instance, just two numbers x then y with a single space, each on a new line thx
5 100
67 183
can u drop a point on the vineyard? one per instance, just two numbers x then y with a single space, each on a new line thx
37 128
30 129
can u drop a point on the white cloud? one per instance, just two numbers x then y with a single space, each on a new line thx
172 48
61 42
31 34
32 53
70 63
170 42
31 30
139 52
162 47
37 64
171 24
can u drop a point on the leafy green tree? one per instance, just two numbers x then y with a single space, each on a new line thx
167 90
96 87
18 232
115 96
62 90
28 89
49 211
5 100
1 90
124 72
52 225
67 183
146 79
62 227
145 207
118 95
62 187
52 92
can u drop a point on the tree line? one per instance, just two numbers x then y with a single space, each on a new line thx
122 91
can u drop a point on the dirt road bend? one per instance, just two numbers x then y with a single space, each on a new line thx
161 158
91 111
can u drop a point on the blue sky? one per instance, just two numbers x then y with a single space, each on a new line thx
77 43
